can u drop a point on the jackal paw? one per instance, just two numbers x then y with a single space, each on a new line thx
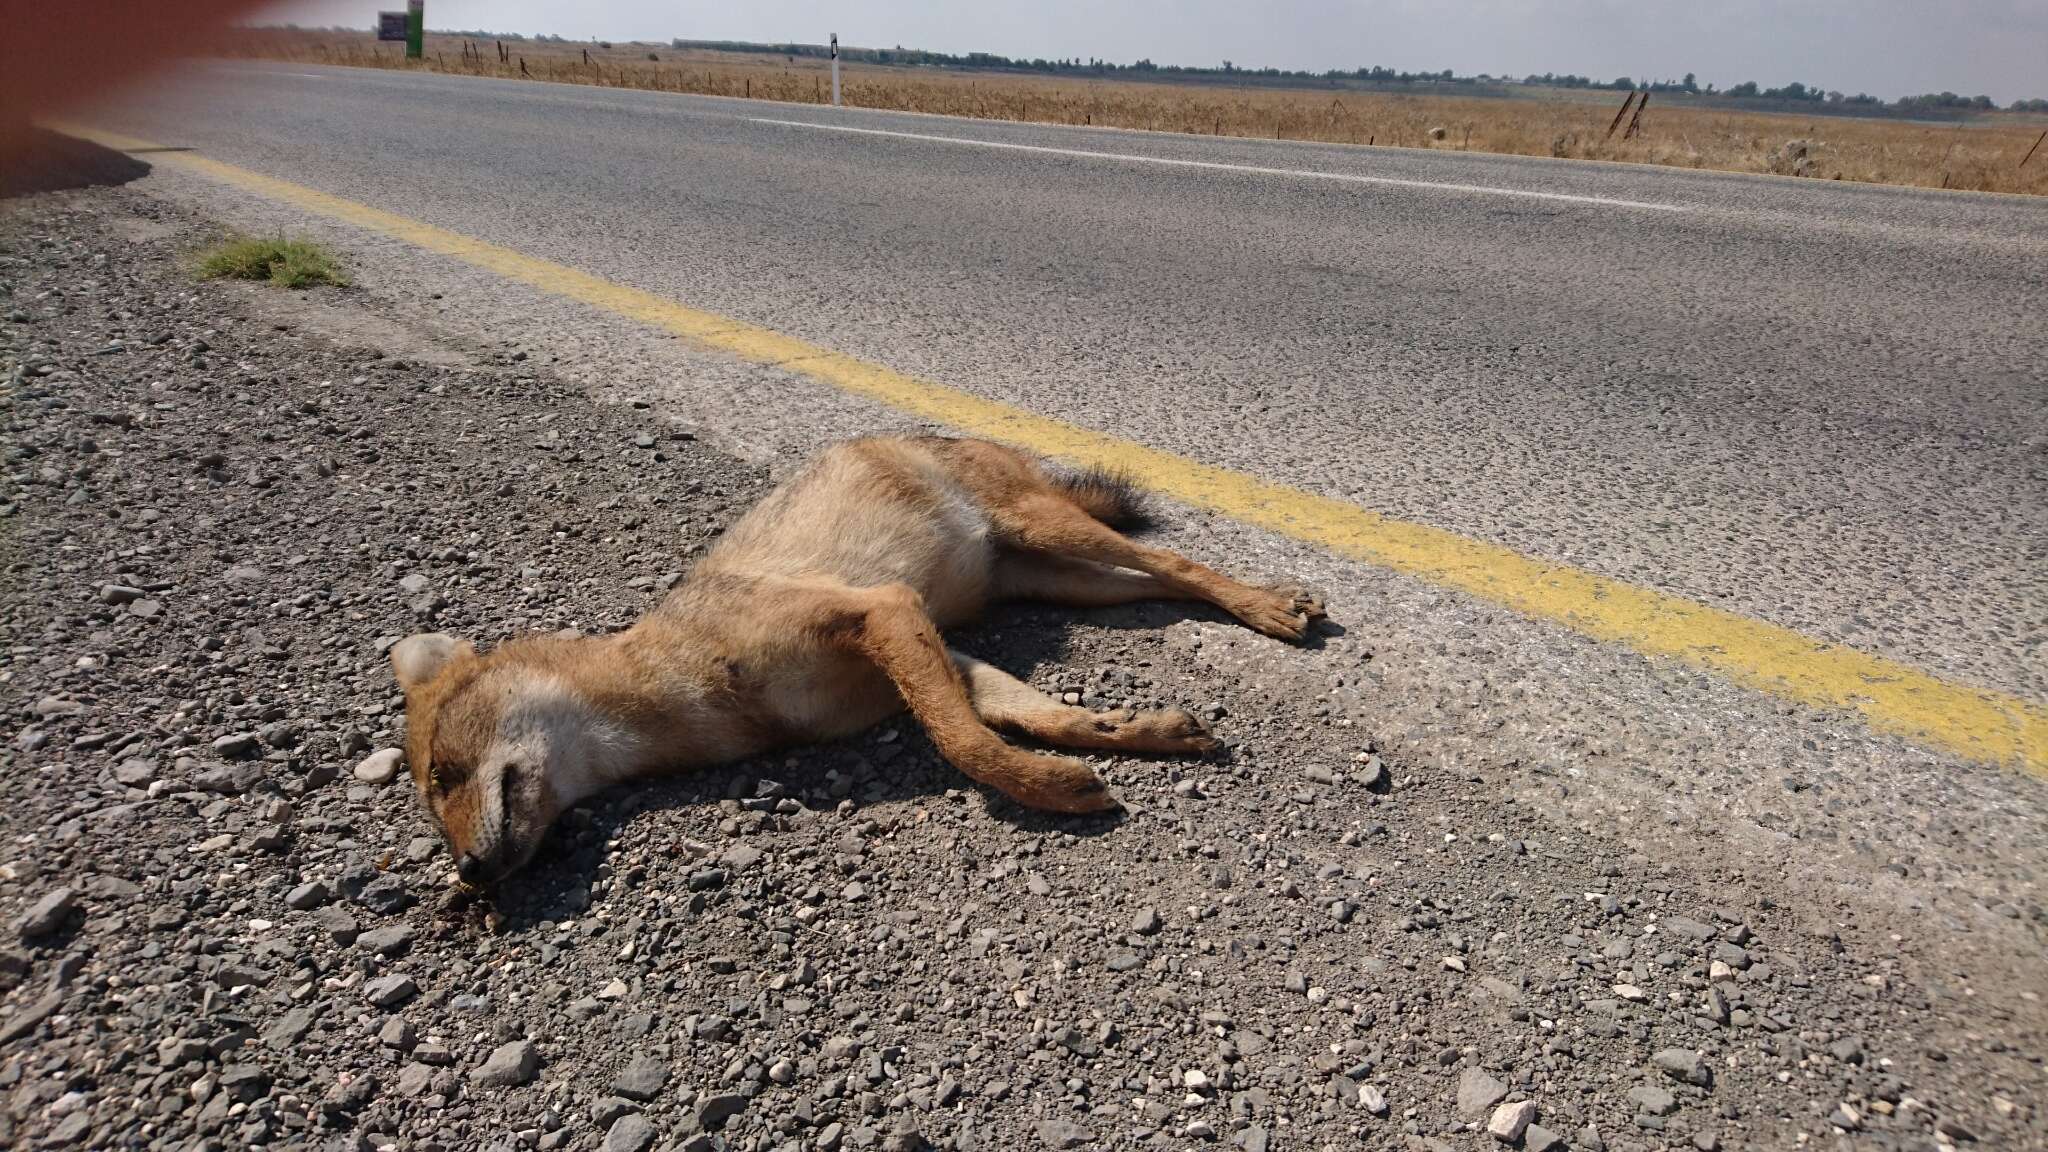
1064 784
1284 611
1174 731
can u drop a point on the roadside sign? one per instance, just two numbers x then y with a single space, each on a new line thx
390 25
415 28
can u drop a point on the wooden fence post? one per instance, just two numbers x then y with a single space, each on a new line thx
1635 122
1616 123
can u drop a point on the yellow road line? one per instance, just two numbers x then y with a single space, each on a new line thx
1976 723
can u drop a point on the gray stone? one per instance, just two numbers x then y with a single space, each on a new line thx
338 924
1733 955
714 1111
307 896
229 779
387 941
1147 922
1655 1101
289 1029
1477 1092
397 1033
352 1096
1687 929
72 1129
1541 1139
235 745
1684 1064
47 914
642 1079
25 1020
1058 1133
390 991
385 895
629 1133
136 772
609 1109
173 1051
245 1083
508 1066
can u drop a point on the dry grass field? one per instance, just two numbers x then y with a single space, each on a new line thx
1984 155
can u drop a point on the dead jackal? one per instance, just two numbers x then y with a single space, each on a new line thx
816 616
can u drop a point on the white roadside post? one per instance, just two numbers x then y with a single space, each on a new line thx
835 69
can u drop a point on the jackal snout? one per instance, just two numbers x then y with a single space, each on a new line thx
498 745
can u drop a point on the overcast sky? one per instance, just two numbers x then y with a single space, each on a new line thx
1888 48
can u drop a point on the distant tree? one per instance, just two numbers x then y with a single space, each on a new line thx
1690 84
1794 91
1744 89
2029 105
1946 101
1622 84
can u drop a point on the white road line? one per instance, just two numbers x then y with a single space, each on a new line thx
1302 173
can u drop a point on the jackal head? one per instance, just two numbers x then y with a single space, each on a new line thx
500 744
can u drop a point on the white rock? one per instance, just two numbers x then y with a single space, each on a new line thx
380 766
1511 1120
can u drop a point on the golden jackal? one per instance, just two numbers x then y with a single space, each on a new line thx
817 615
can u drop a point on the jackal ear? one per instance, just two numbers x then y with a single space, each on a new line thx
418 659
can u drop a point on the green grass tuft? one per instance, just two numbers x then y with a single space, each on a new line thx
291 263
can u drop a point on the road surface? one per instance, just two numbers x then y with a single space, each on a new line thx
1819 405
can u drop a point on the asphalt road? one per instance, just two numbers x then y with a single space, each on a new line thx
1819 405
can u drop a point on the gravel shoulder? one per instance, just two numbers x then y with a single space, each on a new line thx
226 923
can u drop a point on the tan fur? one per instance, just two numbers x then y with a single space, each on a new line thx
817 615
